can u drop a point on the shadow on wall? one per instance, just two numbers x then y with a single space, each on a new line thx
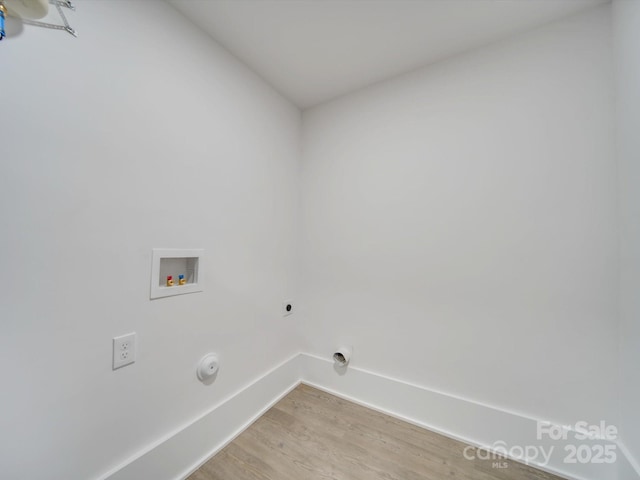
13 27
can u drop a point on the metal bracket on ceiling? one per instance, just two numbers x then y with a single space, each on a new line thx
59 5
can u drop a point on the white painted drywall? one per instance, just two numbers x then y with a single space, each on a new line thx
460 230
313 51
141 133
459 225
626 21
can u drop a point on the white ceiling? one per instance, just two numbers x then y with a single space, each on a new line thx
314 50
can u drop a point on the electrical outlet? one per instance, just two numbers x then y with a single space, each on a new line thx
287 307
124 350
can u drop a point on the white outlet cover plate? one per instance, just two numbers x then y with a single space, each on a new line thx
286 312
124 350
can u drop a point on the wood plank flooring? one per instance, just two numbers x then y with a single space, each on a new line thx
312 435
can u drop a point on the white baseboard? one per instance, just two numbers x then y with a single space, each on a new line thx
192 445
458 418
628 467
474 423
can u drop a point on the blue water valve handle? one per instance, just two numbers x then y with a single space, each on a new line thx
3 16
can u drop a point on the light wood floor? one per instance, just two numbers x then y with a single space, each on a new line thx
311 435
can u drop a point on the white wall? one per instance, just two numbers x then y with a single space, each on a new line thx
459 229
626 18
142 133
459 225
